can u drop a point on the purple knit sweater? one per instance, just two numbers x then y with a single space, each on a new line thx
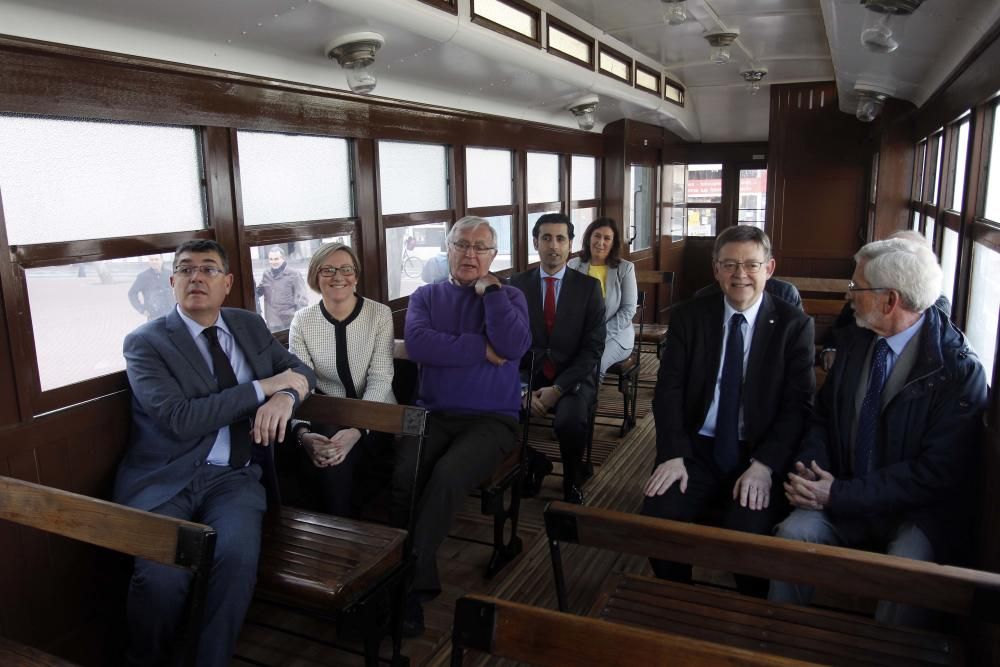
447 328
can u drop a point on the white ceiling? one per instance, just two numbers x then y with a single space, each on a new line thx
437 58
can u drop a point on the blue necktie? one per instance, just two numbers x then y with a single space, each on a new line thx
727 419
864 440
239 433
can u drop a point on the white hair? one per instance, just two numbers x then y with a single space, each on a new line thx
471 222
907 267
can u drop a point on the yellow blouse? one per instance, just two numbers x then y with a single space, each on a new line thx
601 273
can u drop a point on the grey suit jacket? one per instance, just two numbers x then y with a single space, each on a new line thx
177 406
620 299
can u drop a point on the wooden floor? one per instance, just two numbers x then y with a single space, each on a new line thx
274 636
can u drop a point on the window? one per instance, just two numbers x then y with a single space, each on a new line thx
949 262
704 186
583 196
615 64
752 197
672 92
985 303
66 180
641 210
544 180
511 17
993 169
413 181
647 79
929 230
961 155
674 187
292 178
581 218
447 5
570 44
934 180
490 195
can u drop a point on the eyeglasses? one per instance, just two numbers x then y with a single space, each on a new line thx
851 287
331 271
749 267
207 271
463 247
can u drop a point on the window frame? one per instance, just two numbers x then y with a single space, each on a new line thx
511 209
519 5
450 6
639 67
629 63
669 83
561 26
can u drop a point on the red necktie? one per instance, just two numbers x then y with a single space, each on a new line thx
549 311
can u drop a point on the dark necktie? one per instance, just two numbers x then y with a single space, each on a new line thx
549 311
727 418
239 433
864 440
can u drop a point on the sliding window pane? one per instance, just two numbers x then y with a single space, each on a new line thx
488 177
293 178
961 154
413 177
985 303
65 180
701 221
993 169
584 179
415 255
929 230
936 176
753 197
532 252
504 259
543 178
581 217
571 45
98 304
508 16
640 227
949 262
704 184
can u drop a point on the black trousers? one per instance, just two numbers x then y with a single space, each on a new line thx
709 487
461 451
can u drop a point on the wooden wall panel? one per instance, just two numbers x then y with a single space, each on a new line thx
817 169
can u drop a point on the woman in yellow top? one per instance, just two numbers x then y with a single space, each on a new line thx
601 258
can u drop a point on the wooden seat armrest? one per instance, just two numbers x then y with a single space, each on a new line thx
355 413
945 588
544 637
124 529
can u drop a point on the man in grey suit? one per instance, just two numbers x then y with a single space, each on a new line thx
198 377
566 310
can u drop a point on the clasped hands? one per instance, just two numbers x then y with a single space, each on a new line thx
808 488
752 490
326 452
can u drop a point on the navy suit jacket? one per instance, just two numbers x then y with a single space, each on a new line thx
777 389
177 406
577 340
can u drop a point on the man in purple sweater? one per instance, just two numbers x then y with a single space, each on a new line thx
468 334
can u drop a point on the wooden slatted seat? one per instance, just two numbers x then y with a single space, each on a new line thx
342 568
549 638
653 333
154 537
13 654
801 632
627 371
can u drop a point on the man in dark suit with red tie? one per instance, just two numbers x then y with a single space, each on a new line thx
732 398
566 309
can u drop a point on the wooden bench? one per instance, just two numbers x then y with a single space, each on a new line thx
627 371
123 529
553 639
653 333
338 568
500 495
13 654
805 633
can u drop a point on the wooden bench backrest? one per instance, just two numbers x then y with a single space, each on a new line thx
654 277
354 413
550 638
822 285
945 588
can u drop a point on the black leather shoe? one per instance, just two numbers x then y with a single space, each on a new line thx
572 493
538 466
413 616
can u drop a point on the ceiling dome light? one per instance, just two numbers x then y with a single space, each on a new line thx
356 54
870 103
675 11
584 109
721 41
877 34
753 77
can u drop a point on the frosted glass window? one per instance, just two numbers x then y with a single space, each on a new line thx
543 178
673 93
65 180
961 154
584 180
581 217
993 169
644 79
489 177
985 303
509 17
929 230
413 177
293 178
949 261
93 301
504 258
936 176
277 300
614 66
571 45
415 255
